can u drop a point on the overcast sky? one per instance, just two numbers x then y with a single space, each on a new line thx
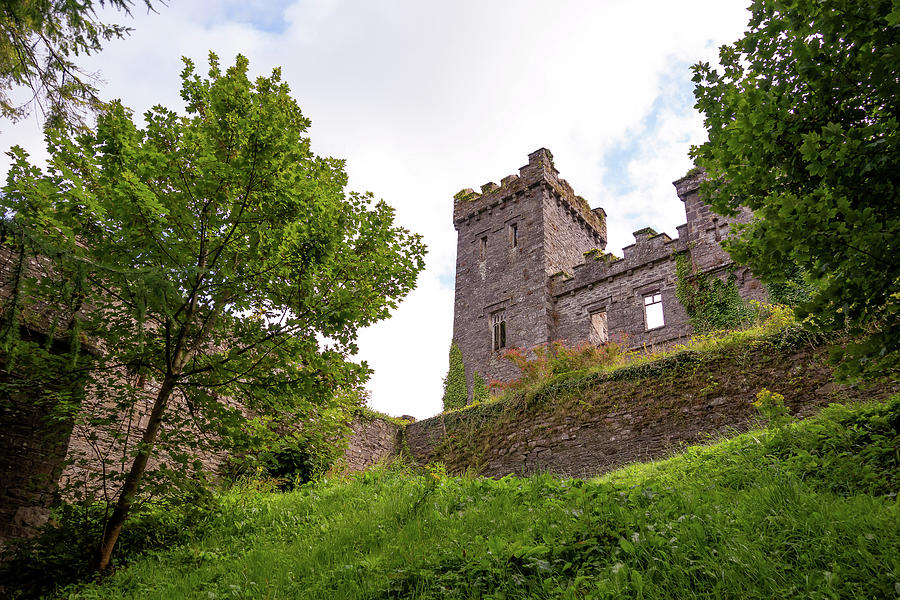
424 98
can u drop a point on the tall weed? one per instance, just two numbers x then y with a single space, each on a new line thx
543 362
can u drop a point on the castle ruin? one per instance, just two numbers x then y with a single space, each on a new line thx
531 268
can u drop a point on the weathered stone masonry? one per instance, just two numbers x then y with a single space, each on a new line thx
38 448
530 256
594 423
685 399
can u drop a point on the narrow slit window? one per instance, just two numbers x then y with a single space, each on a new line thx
653 311
498 331
482 251
599 328
513 235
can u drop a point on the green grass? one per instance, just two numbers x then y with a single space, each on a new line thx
808 510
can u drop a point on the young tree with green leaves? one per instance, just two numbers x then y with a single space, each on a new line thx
804 129
38 40
212 257
456 393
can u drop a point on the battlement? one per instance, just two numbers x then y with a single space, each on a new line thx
540 170
689 183
648 249
531 268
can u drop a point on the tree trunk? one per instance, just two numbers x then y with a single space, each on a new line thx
129 488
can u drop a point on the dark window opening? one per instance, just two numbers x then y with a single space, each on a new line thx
514 235
483 251
498 331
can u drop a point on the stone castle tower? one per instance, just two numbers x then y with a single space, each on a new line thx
512 238
531 268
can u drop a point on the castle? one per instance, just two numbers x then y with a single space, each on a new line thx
531 268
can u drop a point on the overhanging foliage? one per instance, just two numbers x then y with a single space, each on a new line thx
803 129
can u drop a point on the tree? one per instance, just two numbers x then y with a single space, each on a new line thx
216 261
803 130
38 39
456 393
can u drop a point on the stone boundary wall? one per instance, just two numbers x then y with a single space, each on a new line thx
372 440
32 449
589 426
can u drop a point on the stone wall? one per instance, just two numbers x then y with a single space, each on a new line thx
372 440
617 286
32 448
594 424
703 234
34 433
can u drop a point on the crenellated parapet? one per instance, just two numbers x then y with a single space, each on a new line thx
598 267
531 268
540 171
689 183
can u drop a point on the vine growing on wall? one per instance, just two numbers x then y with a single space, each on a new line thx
792 290
455 392
480 392
711 303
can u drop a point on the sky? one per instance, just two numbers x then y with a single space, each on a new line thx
423 98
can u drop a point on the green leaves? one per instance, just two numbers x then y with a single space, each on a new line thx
802 127
456 392
215 253
38 40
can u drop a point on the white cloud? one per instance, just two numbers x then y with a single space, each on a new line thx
426 98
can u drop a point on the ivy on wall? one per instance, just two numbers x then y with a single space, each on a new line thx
793 290
480 391
711 303
455 392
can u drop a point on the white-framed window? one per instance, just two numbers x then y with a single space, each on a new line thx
653 310
498 330
599 328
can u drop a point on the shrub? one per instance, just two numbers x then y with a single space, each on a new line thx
583 356
555 358
66 548
770 406
480 392
294 465
456 394
847 450
290 456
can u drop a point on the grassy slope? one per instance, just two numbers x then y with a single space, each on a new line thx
809 510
